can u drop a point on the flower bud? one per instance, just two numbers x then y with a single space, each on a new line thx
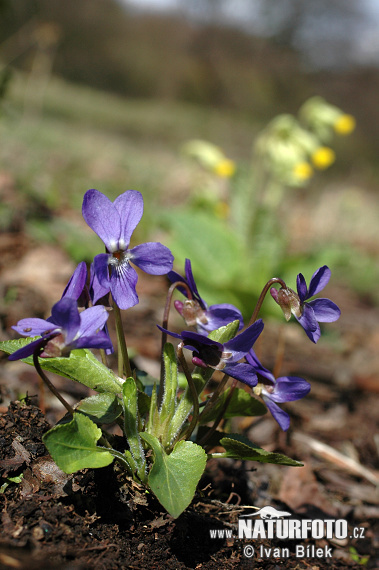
191 312
288 301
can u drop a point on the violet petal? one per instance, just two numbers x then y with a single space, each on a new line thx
325 310
102 217
123 286
278 414
301 288
129 206
243 372
319 280
153 258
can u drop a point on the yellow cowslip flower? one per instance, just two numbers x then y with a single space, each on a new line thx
323 157
345 124
225 168
303 170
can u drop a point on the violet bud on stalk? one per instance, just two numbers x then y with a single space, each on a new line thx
64 331
308 313
196 312
114 223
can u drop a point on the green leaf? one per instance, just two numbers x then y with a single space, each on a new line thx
170 383
73 445
130 399
214 250
223 334
173 478
81 366
239 447
101 408
241 404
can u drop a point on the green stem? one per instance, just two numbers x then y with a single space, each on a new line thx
119 457
51 386
166 313
213 399
220 416
123 357
263 295
195 398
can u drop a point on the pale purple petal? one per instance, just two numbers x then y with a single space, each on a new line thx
65 314
34 327
243 342
153 258
309 323
325 310
98 340
92 319
289 388
301 287
103 218
75 286
129 206
278 414
96 290
100 266
219 316
123 286
243 372
319 280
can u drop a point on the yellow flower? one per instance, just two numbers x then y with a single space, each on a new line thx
344 125
303 170
225 168
323 157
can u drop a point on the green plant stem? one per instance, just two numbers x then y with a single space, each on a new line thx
220 416
213 399
263 295
123 357
51 386
166 313
195 398
103 357
118 456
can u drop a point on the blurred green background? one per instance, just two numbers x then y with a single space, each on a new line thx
104 94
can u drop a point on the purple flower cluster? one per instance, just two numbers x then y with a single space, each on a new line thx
112 273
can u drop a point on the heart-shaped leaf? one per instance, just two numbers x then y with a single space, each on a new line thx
73 445
173 478
101 408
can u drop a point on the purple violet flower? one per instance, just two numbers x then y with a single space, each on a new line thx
225 357
196 312
279 390
64 331
114 223
310 313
